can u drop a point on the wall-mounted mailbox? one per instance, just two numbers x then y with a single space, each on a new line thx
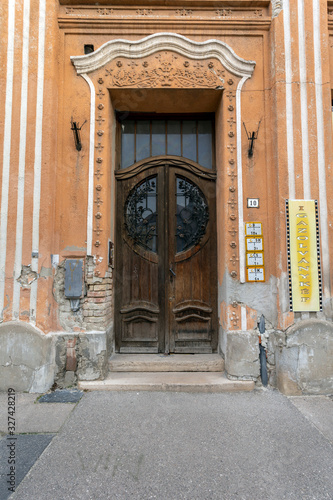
73 278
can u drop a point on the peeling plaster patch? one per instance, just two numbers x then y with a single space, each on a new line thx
223 312
284 292
73 248
7 305
218 77
242 355
270 354
45 272
241 348
27 276
92 356
328 308
90 353
26 358
252 317
60 357
287 320
304 358
54 260
277 7
261 297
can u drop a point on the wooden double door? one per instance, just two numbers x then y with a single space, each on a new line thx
165 272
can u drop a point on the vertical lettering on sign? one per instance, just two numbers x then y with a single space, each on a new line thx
304 262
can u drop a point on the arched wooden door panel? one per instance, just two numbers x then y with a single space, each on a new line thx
166 279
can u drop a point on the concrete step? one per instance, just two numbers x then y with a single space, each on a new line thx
167 381
170 363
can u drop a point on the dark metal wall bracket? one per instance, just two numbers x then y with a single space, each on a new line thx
252 136
76 132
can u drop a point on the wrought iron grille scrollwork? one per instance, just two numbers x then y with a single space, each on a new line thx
141 214
192 214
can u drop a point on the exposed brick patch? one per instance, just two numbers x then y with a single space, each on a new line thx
96 306
96 294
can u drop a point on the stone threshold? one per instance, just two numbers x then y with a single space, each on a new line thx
170 363
209 382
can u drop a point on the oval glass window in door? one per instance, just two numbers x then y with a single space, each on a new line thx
141 214
192 214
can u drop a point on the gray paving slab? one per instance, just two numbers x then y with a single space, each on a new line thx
22 452
319 410
151 445
33 417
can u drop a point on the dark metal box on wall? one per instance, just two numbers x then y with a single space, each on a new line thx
73 278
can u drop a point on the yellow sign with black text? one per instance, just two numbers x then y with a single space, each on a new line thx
303 255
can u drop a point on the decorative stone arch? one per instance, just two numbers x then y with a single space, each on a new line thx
164 42
166 61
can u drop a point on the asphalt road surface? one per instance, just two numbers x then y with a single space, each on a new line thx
170 446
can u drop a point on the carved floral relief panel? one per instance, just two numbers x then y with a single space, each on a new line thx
163 13
167 70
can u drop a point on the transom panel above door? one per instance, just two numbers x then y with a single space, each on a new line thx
187 137
166 258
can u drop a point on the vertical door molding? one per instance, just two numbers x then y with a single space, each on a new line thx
241 234
91 164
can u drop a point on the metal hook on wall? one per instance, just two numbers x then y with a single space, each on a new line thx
76 132
252 136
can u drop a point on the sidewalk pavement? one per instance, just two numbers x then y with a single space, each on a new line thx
170 446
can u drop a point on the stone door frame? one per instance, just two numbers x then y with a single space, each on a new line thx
103 70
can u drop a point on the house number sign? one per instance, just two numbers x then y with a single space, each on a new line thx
253 203
254 244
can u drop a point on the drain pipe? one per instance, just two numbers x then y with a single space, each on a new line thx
262 354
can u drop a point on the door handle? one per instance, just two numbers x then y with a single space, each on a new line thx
172 271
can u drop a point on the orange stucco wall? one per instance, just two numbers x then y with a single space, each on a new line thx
55 205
